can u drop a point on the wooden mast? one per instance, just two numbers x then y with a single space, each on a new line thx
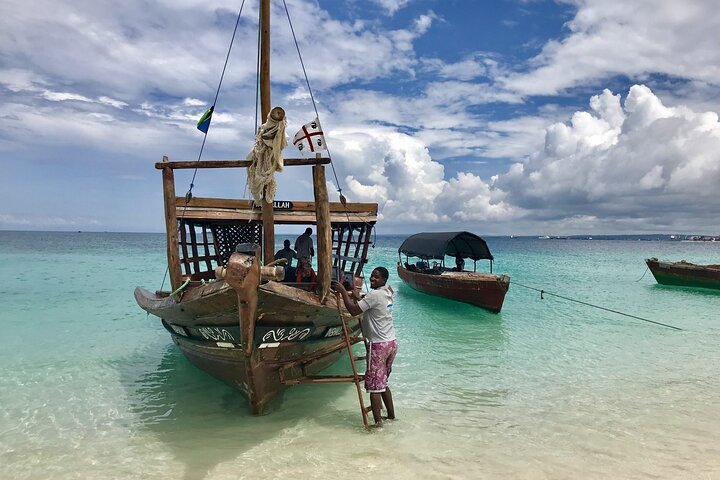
267 208
324 239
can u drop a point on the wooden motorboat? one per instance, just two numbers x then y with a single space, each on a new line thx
485 290
228 309
685 274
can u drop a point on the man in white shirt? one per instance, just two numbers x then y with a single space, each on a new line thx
381 341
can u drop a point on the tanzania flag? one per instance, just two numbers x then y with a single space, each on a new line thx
204 122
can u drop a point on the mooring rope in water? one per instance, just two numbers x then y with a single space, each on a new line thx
545 292
643 275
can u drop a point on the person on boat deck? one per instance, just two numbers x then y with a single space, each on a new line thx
304 245
305 272
288 254
380 338
459 264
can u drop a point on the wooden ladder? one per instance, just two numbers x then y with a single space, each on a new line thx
355 378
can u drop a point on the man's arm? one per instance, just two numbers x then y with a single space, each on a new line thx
350 303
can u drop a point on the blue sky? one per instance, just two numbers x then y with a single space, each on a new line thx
499 117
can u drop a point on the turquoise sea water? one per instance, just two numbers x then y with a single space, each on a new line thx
91 387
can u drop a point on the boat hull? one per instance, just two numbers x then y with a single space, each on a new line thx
685 274
483 290
294 336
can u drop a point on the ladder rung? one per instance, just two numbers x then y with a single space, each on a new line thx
323 379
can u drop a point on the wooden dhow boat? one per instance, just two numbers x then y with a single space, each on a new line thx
228 309
485 290
685 274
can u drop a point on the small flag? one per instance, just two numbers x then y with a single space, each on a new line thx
310 137
204 122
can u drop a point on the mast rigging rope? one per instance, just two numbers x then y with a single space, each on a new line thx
188 195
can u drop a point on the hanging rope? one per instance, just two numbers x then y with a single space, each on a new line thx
188 195
343 200
544 292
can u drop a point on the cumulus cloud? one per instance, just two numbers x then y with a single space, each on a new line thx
631 161
397 170
635 39
470 139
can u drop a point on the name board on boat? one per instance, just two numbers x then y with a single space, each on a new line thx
282 205
279 205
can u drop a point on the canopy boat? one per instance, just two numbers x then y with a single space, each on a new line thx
684 274
485 290
228 309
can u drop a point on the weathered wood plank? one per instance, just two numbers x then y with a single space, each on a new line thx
297 205
348 259
171 226
283 218
366 244
192 164
322 214
268 241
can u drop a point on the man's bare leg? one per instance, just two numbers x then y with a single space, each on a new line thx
388 401
376 404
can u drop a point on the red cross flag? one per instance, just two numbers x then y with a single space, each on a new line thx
310 137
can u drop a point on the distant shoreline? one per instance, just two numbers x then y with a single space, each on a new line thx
672 237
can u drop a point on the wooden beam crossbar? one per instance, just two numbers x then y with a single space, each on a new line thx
192 164
312 357
348 259
304 206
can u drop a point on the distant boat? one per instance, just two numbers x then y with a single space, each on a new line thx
685 274
485 290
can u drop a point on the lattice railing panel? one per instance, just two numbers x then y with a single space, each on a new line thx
228 236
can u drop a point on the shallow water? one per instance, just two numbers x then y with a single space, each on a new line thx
91 387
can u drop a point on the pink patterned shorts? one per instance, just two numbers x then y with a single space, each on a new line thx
379 365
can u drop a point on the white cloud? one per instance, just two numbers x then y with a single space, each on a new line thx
635 39
112 102
125 83
640 160
64 96
397 168
392 6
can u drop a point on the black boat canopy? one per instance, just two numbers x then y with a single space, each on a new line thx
439 244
